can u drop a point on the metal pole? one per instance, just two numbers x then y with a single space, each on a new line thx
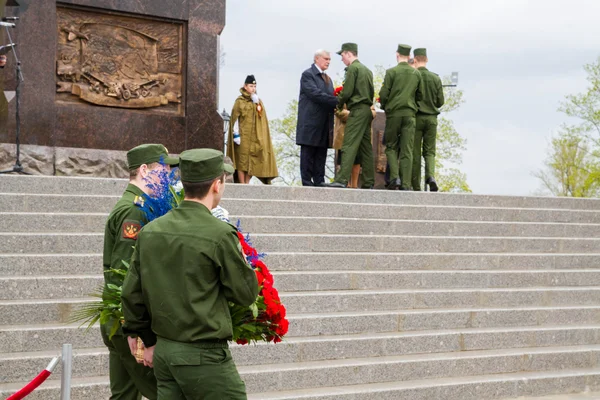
67 367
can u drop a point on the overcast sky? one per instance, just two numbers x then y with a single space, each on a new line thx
517 59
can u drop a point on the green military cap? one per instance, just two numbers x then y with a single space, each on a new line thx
404 49
201 165
420 52
147 154
348 47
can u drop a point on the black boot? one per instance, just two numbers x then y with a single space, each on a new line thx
393 185
433 187
335 185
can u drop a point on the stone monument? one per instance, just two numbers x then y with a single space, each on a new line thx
110 75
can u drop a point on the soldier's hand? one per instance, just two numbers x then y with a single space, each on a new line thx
132 341
149 356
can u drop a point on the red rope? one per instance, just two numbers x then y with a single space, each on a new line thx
31 386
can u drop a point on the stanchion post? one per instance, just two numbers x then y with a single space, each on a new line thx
67 364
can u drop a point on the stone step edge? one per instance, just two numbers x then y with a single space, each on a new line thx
286 217
347 292
50 384
512 378
337 253
338 235
263 200
300 316
422 384
350 361
571 396
353 272
456 355
408 359
334 338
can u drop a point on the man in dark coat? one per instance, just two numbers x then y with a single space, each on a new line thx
314 131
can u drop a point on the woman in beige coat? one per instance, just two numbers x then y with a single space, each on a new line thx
249 141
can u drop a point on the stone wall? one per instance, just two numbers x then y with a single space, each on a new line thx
74 99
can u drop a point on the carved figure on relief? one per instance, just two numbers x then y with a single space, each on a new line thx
112 65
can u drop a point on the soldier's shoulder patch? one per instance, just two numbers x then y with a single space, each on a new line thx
138 201
130 229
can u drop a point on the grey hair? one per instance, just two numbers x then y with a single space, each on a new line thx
321 53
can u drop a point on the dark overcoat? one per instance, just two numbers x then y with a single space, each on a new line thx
315 110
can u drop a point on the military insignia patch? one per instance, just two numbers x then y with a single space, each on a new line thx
130 230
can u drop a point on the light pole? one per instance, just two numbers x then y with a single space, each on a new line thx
453 80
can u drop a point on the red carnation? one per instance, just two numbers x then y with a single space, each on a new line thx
282 327
337 90
265 271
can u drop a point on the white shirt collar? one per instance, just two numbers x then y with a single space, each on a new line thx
318 69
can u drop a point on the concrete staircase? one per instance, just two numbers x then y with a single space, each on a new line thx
391 295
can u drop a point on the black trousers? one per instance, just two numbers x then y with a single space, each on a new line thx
312 165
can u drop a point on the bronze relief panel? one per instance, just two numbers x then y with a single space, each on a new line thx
113 60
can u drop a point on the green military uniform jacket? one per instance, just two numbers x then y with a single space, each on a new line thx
123 225
186 267
358 87
402 89
433 93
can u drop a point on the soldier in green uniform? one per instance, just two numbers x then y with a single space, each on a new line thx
402 88
426 131
128 379
357 96
187 265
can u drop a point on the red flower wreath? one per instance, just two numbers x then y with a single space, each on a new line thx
265 320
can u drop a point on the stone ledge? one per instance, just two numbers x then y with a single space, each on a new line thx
69 161
66 161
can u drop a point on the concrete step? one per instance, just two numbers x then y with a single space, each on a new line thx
12 202
347 323
415 367
90 388
18 366
57 311
30 222
16 338
394 299
482 387
89 264
76 286
493 386
577 396
373 369
58 264
86 243
295 261
105 186
305 349
400 244
401 368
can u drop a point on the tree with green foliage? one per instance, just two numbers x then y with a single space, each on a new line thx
585 106
572 167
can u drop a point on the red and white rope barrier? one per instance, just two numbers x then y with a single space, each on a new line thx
37 381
